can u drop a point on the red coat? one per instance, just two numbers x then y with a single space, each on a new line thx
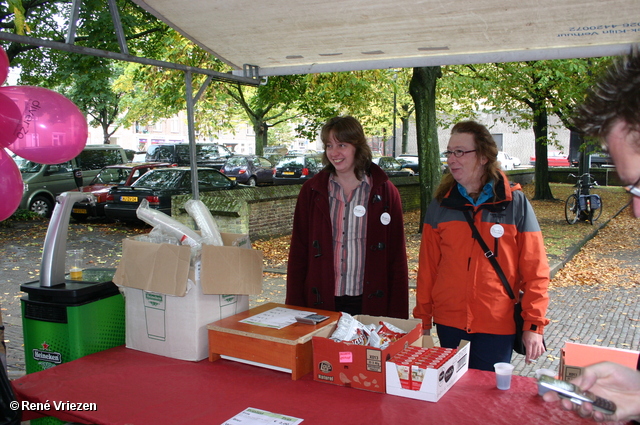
310 273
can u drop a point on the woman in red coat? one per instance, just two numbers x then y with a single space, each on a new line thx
348 246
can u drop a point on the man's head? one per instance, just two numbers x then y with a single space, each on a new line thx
611 112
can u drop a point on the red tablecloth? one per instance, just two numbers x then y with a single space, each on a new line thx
136 388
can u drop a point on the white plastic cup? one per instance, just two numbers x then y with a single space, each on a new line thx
547 372
503 375
168 225
76 257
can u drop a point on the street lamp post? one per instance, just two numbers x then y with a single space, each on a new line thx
395 109
394 121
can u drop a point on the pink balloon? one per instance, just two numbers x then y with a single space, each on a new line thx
11 186
51 130
4 65
9 118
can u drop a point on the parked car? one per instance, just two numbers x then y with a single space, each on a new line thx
409 161
158 186
130 154
506 162
597 160
296 169
139 157
392 166
207 154
443 161
275 153
555 159
249 169
43 182
108 177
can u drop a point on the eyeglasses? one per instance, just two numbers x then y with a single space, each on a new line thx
457 153
634 189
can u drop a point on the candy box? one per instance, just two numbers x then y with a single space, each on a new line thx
359 366
425 372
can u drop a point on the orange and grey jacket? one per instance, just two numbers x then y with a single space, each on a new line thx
457 285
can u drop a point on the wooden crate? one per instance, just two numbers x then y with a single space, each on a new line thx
288 348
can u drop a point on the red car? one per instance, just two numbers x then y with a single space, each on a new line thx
555 159
113 175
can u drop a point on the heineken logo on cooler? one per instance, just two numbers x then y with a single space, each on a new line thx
46 355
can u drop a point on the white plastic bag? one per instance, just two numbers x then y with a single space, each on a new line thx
205 221
169 226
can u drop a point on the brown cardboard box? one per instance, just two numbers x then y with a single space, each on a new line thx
359 366
169 303
165 268
576 356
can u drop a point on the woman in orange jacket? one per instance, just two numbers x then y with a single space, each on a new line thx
458 288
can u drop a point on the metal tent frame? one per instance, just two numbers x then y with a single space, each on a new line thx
249 77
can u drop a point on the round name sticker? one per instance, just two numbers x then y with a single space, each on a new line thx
359 211
497 231
385 218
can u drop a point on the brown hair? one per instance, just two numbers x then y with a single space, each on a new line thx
347 130
615 97
485 147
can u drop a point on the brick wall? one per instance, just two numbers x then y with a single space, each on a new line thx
409 188
266 212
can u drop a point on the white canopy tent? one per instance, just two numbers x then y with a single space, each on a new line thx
262 38
280 37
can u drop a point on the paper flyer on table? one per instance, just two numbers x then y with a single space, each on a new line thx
276 318
251 416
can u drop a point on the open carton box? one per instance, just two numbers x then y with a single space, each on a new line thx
169 302
574 357
436 382
359 366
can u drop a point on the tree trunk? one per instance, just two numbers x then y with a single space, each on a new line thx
423 91
542 188
261 129
106 136
405 133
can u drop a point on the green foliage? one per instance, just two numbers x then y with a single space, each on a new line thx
15 7
524 94
25 215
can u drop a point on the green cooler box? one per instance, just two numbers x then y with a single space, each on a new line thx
64 322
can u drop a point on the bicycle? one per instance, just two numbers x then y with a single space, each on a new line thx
582 205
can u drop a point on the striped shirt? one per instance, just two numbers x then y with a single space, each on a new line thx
349 224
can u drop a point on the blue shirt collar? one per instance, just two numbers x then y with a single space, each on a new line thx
485 195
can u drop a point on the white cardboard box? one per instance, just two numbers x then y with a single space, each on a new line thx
436 382
169 304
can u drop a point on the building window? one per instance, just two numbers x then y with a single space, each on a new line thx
158 127
175 125
498 139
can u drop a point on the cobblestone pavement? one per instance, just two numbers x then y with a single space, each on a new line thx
606 316
591 315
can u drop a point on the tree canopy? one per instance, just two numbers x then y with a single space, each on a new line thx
525 94
112 94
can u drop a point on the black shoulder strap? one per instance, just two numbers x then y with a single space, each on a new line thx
489 254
